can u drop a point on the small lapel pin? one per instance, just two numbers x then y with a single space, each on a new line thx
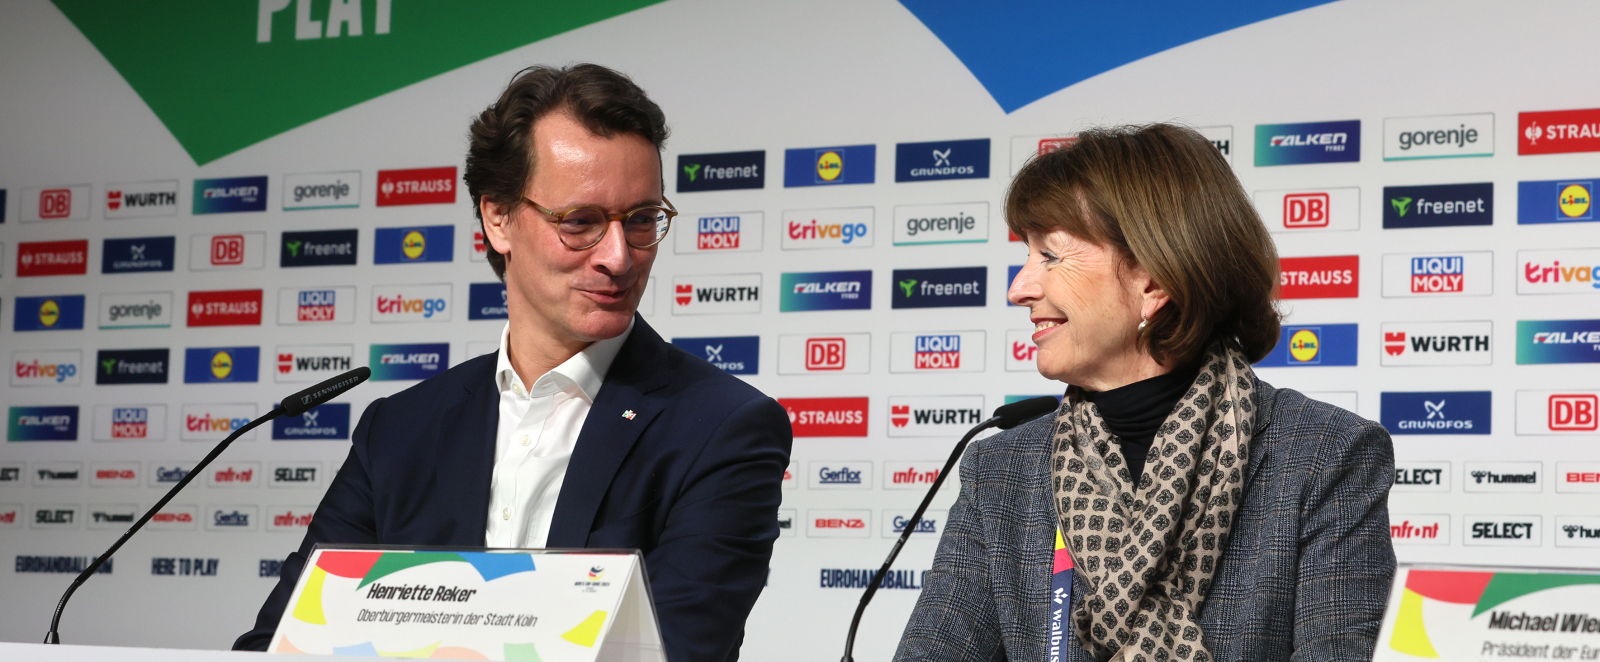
629 414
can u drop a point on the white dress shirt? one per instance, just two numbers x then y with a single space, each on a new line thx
538 429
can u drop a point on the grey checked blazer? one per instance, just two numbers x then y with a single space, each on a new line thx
1305 576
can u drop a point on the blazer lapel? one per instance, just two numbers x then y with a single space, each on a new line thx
475 469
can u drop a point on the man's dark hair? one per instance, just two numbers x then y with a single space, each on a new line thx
500 141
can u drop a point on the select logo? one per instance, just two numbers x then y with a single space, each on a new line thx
839 523
1578 477
225 308
934 415
827 417
910 475
296 474
1502 530
1421 476
947 159
148 199
318 248
1302 210
58 516
1556 201
1558 271
132 366
1332 277
1324 345
1569 412
1558 341
229 195
845 227
55 203
1412 529
1468 273
221 365
826 290
47 368
1438 136
323 305
417 186
1438 206
1558 131
433 243
825 354
960 223
53 258
138 254
1308 142
895 522
403 362
50 313
411 303
716 294
730 232
738 355
209 252
214 422
136 310
1437 343
724 171
325 421
1503 477
304 364
322 190
1021 353
936 351
829 166
130 422
839 475
1436 412
44 423
487 301
939 288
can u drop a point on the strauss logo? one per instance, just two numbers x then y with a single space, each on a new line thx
1534 132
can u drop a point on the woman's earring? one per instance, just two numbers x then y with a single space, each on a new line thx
1143 321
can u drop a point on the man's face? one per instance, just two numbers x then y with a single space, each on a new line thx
572 296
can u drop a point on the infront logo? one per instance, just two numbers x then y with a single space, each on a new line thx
1419 529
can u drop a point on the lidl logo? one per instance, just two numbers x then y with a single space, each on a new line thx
1324 345
722 172
233 194
42 424
825 166
1555 201
939 288
737 355
1558 341
402 362
206 365
51 313
434 243
1310 142
826 290
325 421
947 159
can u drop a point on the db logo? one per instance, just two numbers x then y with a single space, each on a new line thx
1049 145
1305 210
683 293
227 249
1575 412
838 523
55 203
825 354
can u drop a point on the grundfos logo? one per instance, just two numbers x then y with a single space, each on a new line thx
847 227
326 421
738 355
945 159
1436 412
137 254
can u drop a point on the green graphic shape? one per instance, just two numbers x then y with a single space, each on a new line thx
389 564
294 248
691 170
1400 205
108 364
1506 586
522 653
907 284
226 74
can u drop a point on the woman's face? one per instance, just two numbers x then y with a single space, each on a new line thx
1086 309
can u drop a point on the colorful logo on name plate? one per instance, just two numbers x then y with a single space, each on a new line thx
233 194
1435 596
1308 142
204 365
417 361
826 290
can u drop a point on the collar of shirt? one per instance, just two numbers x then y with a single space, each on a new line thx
586 369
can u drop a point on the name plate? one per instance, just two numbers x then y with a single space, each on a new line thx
1484 614
536 605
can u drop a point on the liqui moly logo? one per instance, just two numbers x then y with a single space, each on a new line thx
1405 529
713 233
418 186
728 232
1451 274
946 351
1301 210
1437 274
131 423
827 417
1565 412
910 475
323 305
937 352
934 415
824 354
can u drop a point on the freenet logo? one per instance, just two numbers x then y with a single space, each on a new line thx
824 354
225 308
1558 272
738 355
214 422
729 232
1437 343
433 243
1558 412
325 421
49 313
937 351
132 366
1309 142
53 258
417 186
322 190
711 295
234 194
1302 210
318 248
137 254
1438 136
1325 345
961 223
910 475
933 415
1555 201
827 417
1436 412
331 305
1558 131
487 301
209 252
1331 277
130 422
414 361
142 199
840 475
49 368
305 364
1558 341
55 203
847 227
939 288
722 171
945 159
45 423
1438 206
211 365
826 290
827 166
411 303
1432 275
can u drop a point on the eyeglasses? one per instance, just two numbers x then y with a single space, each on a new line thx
581 228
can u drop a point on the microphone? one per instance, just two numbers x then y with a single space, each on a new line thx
1005 417
292 406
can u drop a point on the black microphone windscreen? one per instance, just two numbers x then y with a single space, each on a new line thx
1022 411
329 389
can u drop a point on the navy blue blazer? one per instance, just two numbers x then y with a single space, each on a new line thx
693 480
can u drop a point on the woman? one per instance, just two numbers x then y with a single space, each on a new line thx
1210 516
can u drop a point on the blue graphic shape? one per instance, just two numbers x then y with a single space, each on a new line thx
364 649
1024 51
494 566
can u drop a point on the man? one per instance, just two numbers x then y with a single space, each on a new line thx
585 429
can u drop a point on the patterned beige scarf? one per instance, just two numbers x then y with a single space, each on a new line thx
1149 552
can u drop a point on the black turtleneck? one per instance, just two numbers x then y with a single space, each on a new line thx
1134 412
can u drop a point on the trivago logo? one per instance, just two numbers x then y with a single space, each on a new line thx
827 417
53 258
718 294
1021 353
961 223
1309 142
1559 272
132 366
142 199
1438 206
933 415
137 254
1324 345
845 227
1558 341
824 354
225 308
48 368
939 288
213 422
1437 343
399 362
945 159
937 351
46 423
311 363
1332 277
487 301
329 305
318 248
234 194
322 190
136 310
1571 411
722 171
825 290
50 313
417 186
1430 275
728 232
210 365
1436 412
411 303
738 355
1302 210
826 166
130 422
433 243
1556 201
1558 131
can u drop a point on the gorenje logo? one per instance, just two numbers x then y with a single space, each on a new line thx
235 194
142 199
130 422
53 258
1438 206
939 288
132 366
937 351
51 313
1558 131
1431 275
960 223
1437 343
1020 351
825 290
1503 477
1438 136
824 354
1310 142
419 361
137 254
55 203
1419 529
322 190
325 421
296 474
1421 476
722 171
910 475
846 227
209 365
227 251
136 310
418 186
726 232
1573 531
433 243
1578 477
45 423
827 417
50 368
933 415
1325 345
948 159
826 166
836 523
1558 272
487 301
1503 530
318 248
311 363
840 475
1333 277
332 305
738 355
1558 412
225 308
1436 412
1301 210
711 295
1556 201
895 521
213 422
411 303
1558 341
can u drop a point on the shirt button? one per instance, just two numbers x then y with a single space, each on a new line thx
525 440
506 513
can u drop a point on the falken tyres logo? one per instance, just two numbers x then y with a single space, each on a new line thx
1437 206
50 313
325 421
1310 142
208 365
433 243
43 423
1558 341
234 194
827 166
318 248
826 290
487 301
132 366
1325 345
137 254
417 361
1556 201
738 355
1436 412
722 171
939 288
948 159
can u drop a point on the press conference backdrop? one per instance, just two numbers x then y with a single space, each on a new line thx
208 205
